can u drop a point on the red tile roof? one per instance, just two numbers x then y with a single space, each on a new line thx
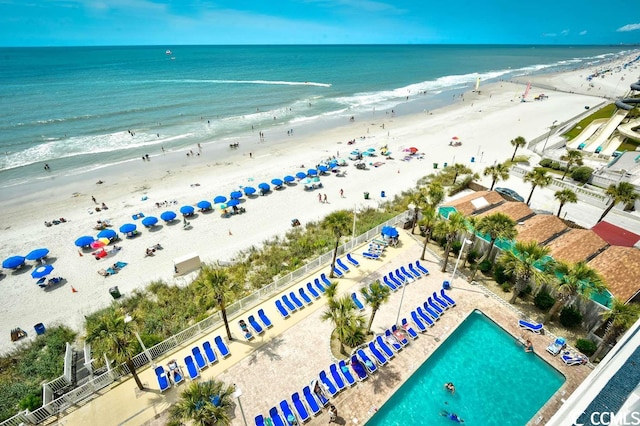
615 235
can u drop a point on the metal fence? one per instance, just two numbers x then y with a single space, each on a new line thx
86 392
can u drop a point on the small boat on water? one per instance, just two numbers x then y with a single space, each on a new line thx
168 52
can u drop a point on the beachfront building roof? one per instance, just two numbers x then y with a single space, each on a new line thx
577 245
475 202
516 210
615 235
541 228
620 267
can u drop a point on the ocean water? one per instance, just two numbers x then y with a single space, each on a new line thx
81 108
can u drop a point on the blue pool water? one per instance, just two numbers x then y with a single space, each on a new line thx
496 382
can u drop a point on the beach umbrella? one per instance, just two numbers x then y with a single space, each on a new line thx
455 138
371 150
220 199
301 175
204 205
168 216
233 202
248 190
315 179
368 154
277 182
235 195
42 271
128 227
107 233
264 186
187 209
97 244
13 262
84 241
37 254
149 221
312 172
333 165
390 231
323 168
289 178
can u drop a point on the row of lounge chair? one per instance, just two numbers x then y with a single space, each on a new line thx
257 327
341 375
341 268
195 362
557 346
425 315
375 250
290 303
404 275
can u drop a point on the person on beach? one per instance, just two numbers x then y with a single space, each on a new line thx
333 413
325 199
341 193
320 197
94 200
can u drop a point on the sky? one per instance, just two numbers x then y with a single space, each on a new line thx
224 22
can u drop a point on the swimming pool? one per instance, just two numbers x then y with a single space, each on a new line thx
496 382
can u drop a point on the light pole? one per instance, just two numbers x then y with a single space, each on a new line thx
404 287
355 211
237 394
453 274
553 125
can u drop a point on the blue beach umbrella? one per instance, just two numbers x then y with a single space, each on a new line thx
220 199
187 209
107 233
333 165
204 205
235 195
13 262
149 221
248 190
128 227
168 216
277 182
371 150
289 178
312 172
233 202
84 241
42 271
264 186
323 168
301 175
37 254
390 231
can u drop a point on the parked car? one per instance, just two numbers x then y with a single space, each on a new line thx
509 194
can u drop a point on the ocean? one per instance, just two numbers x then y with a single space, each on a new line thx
81 108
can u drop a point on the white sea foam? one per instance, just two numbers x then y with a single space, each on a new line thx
271 82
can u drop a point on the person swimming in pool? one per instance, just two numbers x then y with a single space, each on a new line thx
450 387
451 416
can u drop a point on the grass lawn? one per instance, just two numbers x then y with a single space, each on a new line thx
605 112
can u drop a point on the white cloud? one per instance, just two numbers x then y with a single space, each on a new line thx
583 32
549 35
564 32
629 27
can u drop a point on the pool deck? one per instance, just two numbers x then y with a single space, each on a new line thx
289 355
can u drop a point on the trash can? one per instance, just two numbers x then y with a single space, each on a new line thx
444 165
115 293
446 285
382 194
39 328
435 165
366 195
473 159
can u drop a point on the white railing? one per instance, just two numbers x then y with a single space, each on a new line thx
80 395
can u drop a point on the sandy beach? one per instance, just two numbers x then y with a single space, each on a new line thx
485 122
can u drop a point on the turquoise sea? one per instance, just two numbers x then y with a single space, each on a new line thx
86 107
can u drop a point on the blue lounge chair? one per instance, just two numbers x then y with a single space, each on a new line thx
346 373
368 255
222 347
337 378
255 325
535 328
414 271
163 380
410 331
395 280
197 355
418 322
410 273
359 368
337 272
357 302
306 299
400 277
421 268
442 303
319 285
264 318
276 418
312 291
301 410
574 359
446 298
341 265
407 275
325 280
311 400
328 384
382 360
557 346
384 347
288 415
209 353
392 340
283 311
295 300
370 365
427 316
430 311
290 306
389 284
400 336
191 368
177 376
244 329
352 260
259 420
435 307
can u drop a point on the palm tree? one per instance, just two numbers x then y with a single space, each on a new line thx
217 290
620 317
521 263
419 199
537 177
435 193
517 142
429 220
339 222
449 229
573 157
472 225
496 226
375 296
574 280
459 169
343 314
624 193
115 334
497 172
204 403
565 196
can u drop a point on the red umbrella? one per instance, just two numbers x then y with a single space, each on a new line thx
455 138
97 244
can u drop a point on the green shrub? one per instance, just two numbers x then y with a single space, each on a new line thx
455 247
543 300
500 276
472 256
545 162
506 287
31 402
586 346
555 165
581 174
570 317
485 266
